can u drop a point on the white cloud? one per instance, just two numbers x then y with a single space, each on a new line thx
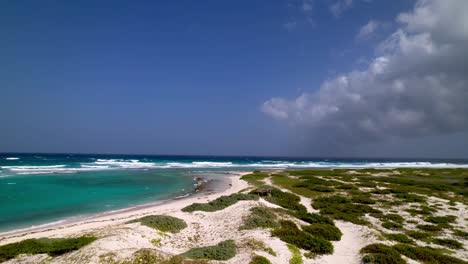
338 7
368 29
417 85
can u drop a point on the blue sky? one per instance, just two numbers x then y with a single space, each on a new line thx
180 77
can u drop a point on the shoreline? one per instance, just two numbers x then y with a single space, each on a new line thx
214 188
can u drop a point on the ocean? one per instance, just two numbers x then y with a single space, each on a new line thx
36 189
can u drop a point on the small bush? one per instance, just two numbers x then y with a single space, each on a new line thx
313 218
53 247
441 219
325 231
394 217
163 223
430 228
222 251
460 233
418 235
381 254
260 217
399 238
448 243
339 207
220 203
290 233
362 199
411 198
426 255
259 260
286 200
391 225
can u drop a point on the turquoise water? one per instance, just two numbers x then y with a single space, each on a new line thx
27 200
41 188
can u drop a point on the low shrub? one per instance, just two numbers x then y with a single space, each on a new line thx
441 219
426 255
399 238
362 199
460 233
163 223
290 233
391 225
339 207
325 231
430 228
394 217
286 200
220 203
222 251
410 198
450 243
381 254
418 235
313 218
260 217
53 247
259 260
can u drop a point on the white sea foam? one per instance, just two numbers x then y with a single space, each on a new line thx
136 164
12 158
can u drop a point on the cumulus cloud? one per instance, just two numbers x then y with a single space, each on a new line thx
417 85
368 29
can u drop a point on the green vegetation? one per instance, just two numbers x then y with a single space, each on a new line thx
447 243
426 255
259 260
296 255
460 233
410 198
256 178
290 233
163 223
260 217
286 200
399 238
441 219
340 207
220 203
325 231
418 235
430 228
145 256
362 199
424 210
393 217
53 247
391 225
381 254
222 251
257 245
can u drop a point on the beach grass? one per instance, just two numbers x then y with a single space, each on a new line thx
162 223
222 251
52 247
220 203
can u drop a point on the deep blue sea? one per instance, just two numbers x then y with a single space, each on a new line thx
36 189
